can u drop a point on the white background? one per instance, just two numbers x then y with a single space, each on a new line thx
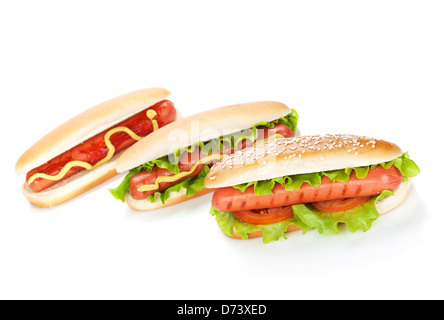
365 67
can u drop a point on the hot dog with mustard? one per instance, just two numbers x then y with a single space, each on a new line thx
82 152
170 165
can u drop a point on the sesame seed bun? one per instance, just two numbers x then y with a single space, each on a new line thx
299 155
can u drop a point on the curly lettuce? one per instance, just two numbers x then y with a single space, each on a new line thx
228 223
359 218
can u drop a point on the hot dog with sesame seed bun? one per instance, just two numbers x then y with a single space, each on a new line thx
170 165
308 182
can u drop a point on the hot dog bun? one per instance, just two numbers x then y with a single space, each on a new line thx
305 154
383 206
75 131
203 126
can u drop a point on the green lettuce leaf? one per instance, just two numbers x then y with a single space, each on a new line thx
119 192
359 218
163 163
290 120
404 164
228 223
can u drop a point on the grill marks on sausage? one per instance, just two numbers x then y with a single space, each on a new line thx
301 196
358 190
330 190
377 180
344 190
316 194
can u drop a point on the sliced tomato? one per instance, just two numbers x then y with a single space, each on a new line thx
340 205
281 129
265 216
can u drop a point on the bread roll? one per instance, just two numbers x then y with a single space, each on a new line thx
305 154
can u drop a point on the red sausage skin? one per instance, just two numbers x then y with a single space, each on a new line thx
377 180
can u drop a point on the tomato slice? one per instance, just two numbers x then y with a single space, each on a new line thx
265 216
340 205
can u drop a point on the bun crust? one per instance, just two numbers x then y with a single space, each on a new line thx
86 125
383 206
203 126
176 197
305 154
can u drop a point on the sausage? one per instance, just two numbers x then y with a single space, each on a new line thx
282 129
265 133
377 180
94 149
187 160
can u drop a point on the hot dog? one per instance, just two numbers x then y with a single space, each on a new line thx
169 166
82 152
187 160
311 182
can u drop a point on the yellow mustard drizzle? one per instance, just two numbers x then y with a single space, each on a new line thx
151 114
159 180
111 151
156 185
